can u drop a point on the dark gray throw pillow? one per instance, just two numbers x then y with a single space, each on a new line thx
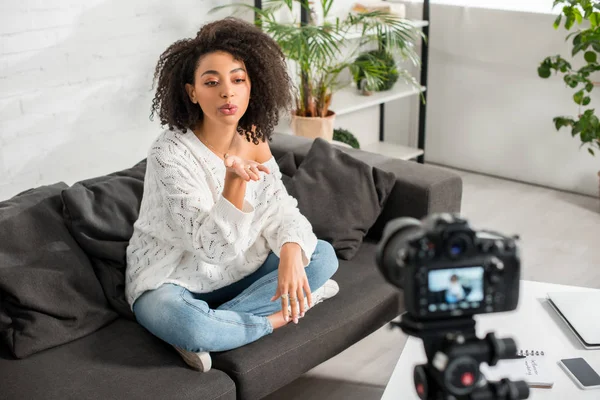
49 294
100 214
287 164
340 195
287 167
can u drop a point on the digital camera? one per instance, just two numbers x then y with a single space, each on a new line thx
447 269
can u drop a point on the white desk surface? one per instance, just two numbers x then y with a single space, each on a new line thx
534 324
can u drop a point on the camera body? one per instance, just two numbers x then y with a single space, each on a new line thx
447 269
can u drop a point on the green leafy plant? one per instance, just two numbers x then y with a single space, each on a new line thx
319 53
586 41
391 73
345 136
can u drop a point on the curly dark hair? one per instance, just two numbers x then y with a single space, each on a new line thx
271 87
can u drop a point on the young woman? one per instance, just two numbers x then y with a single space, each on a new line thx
220 255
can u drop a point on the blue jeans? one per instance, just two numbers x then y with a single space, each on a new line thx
229 317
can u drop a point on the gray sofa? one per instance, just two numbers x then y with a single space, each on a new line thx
121 360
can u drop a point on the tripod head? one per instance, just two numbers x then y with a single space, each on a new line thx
454 353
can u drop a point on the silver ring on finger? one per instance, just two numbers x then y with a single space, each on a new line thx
285 296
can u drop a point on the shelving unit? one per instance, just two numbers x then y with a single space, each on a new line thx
349 100
394 150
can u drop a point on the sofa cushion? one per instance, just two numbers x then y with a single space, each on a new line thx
287 164
283 143
340 195
120 361
49 294
100 214
364 304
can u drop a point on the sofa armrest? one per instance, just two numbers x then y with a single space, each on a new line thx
419 190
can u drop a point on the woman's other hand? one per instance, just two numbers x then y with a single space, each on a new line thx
292 282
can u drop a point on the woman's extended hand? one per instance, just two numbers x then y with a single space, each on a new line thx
292 282
245 169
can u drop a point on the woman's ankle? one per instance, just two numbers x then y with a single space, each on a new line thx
277 320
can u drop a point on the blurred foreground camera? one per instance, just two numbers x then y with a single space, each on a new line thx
450 272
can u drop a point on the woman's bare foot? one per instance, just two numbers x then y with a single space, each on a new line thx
277 320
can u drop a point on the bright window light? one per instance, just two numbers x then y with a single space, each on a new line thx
537 6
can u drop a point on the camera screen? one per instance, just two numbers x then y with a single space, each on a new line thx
455 288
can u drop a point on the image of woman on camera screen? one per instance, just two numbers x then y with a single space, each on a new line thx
455 291
453 286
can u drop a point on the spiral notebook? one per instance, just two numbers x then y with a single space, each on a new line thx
534 368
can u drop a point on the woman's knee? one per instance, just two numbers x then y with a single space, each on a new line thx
152 306
325 256
191 325
170 317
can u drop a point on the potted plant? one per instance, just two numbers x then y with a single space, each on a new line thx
388 46
319 55
390 74
345 136
586 124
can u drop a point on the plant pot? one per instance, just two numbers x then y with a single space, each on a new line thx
314 127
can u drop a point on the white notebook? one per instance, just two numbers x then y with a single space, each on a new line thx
534 368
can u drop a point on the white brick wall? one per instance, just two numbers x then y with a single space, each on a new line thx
75 84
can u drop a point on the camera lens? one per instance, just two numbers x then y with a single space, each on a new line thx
458 245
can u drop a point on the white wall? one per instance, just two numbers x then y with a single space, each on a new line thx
489 111
75 84
75 91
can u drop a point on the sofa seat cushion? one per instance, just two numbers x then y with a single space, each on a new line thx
364 304
120 361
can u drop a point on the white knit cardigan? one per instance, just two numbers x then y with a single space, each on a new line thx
187 233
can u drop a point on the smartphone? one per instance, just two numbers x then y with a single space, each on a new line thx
581 372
